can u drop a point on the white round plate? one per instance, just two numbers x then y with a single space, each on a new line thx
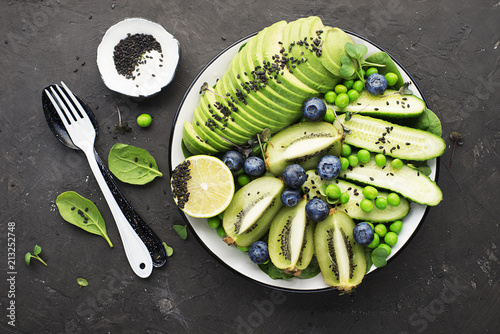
231 256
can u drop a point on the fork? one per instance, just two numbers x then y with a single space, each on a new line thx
83 134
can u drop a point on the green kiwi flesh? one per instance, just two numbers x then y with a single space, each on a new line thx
302 143
341 260
248 216
291 239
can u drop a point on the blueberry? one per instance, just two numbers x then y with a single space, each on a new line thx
314 109
254 166
290 197
363 234
258 252
329 167
317 210
376 84
233 160
294 176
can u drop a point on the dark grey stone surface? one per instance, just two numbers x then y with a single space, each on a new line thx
445 280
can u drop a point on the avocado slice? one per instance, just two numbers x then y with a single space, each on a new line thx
276 93
293 37
271 55
194 143
334 40
209 136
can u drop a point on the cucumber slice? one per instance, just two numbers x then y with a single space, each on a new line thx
394 140
312 189
391 104
407 181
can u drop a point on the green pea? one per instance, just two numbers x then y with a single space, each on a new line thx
392 79
344 163
221 215
348 83
243 179
353 160
353 95
342 100
358 86
243 249
396 226
364 156
330 96
371 225
381 230
366 205
329 116
213 222
371 71
340 89
344 198
397 163
391 238
144 120
393 199
221 232
386 247
375 242
333 191
381 203
346 150
370 192
380 160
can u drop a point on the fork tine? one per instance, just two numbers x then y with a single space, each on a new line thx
64 118
73 111
82 111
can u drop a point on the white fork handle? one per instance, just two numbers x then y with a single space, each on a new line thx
137 253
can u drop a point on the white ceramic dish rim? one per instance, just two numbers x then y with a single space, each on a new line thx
233 258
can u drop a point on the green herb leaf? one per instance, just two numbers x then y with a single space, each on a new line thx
368 260
351 50
346 71
345 60
82 281
361 51
37 250
27 258
274 272
379 261
379 252
132 164
181 231
81 212
168 249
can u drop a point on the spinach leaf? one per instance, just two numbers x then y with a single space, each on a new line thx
427 121
274 272
384 59
132 164
81 212
312 269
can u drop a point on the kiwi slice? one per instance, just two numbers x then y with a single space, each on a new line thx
291 243
248 216
341 260
303 143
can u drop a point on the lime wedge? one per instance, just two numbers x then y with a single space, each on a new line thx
202 186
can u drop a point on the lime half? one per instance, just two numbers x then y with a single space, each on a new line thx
202 186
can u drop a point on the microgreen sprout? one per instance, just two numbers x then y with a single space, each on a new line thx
181 231
378 256
457 140
82 282
205 88
355 53
168 249
36 255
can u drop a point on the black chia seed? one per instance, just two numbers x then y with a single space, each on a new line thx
180 176
128 53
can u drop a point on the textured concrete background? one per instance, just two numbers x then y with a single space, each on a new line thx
445 280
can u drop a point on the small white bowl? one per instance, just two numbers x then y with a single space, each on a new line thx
157 71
